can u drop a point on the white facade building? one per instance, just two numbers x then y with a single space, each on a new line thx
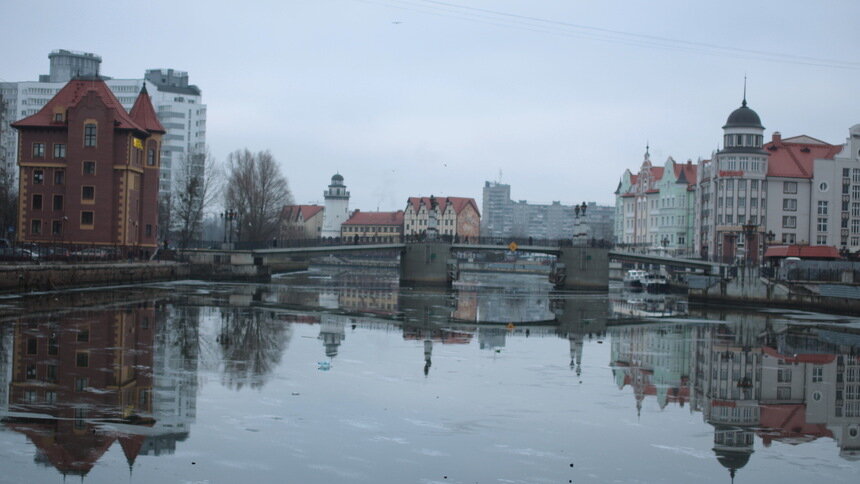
336 207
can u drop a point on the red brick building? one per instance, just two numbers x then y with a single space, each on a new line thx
89 170
70 377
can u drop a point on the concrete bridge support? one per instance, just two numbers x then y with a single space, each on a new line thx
425 263
587 268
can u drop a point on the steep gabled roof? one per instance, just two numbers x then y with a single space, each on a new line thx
685 173
291 213
457 203
69 96
794 157
144 114
375 218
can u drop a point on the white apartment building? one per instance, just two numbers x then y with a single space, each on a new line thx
835 195
178 104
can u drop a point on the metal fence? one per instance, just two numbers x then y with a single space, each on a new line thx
12 252
819 271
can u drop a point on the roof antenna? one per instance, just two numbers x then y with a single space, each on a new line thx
744 103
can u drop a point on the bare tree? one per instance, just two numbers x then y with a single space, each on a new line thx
257 191
8 199
195 190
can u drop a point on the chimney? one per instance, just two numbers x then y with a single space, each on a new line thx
777 137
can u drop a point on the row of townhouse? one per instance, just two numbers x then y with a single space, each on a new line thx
747 196
450 217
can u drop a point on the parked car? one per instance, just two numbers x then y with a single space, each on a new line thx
95 253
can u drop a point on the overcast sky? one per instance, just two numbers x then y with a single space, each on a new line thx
413 97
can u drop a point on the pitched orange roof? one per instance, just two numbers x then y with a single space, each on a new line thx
69 96
686 171
657 173
457 203
291 213
144 114
794 157
803 251
375 218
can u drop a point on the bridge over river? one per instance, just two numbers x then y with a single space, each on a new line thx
575 266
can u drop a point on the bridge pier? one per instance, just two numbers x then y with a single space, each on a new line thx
425 263
586 267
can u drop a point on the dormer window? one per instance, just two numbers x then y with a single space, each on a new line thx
58 117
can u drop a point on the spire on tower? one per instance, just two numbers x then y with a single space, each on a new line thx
744 102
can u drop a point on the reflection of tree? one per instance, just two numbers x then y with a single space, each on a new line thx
252 343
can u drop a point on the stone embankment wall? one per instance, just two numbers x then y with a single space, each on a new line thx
25 278
749 288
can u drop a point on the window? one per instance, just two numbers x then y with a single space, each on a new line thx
88 193
58 202
86 218
56 227
51 396
728 219
83 335
789 222
855 209
855 227
59 150
789 238
89 168
37 202
38 177
32 346
822 207
81 383
150 157
58 117
51 373
59 177
789 187
38 150
822 224
35 227
855 191
82 359
89 135
742 202
149 230
789 204
821 240
783 393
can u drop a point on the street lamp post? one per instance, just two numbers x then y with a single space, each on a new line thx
227 217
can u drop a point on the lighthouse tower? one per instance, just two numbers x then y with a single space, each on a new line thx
336 207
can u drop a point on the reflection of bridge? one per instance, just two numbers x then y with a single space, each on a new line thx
420 262
576 267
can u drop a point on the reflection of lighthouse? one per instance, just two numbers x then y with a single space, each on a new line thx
428 352
332 333
576 345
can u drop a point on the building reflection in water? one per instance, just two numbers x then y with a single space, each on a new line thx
756 377
79 382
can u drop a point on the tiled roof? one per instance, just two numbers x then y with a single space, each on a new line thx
144 114
69 96
291 213
803 251
457 203
686 171
793 157
656 173
375 218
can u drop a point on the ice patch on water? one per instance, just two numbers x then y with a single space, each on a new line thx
699 454
396 440
424 423
432 453
359 424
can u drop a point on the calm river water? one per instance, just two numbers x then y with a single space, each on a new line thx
329 377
